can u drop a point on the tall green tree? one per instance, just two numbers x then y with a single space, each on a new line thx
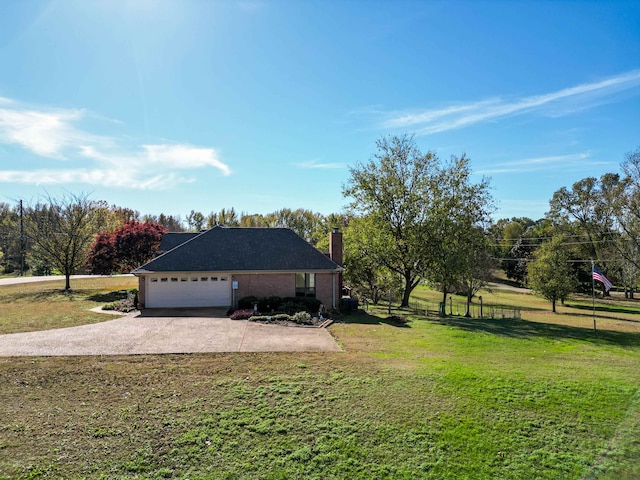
9 238
550 275
393 190
583 208
366 278
459 212
196 221
225 217
478 266
61 231
624 196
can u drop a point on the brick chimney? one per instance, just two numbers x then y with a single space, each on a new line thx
335 246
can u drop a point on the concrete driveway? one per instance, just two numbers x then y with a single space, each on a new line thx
168 331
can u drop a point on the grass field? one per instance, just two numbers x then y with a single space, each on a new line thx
438 399
40 306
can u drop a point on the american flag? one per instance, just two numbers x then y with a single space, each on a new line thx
599 276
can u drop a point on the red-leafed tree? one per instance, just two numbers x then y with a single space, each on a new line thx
125 248
102 256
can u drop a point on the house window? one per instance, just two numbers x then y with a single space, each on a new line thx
214 279
305 284
163 279
223 279
194 279
174 279
183 279
154 280
204 279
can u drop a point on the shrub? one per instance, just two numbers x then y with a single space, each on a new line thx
309 304
247 302
303 318
125 305
269 304
291 307
242 314
278 317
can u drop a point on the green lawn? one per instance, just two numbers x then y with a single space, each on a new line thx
439 398
43 305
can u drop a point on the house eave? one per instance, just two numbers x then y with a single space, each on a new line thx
143 271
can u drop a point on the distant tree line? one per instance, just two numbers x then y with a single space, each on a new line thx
411 218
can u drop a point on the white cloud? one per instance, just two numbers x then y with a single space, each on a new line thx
562 102
314 164
184 157
53 134
99 177
573 160
45 133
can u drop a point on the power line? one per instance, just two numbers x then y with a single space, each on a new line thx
538 244
528 259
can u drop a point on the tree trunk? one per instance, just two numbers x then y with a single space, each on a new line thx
407 293
553 305
408 288
67 284
468 314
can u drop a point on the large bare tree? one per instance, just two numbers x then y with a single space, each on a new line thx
61 231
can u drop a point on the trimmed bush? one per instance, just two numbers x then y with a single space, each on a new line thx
303 318
247 302
289 305
269 304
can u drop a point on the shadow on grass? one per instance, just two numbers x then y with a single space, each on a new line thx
365 318
600 308
108 297
527 329
43 295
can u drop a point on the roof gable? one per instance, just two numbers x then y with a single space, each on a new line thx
242 249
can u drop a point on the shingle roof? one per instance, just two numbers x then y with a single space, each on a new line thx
224 249
171 240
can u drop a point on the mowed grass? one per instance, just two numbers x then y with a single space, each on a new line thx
612 313
28 307
437 399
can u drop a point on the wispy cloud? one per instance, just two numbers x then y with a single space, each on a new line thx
55 134
45 133
314 164
573 160
559 103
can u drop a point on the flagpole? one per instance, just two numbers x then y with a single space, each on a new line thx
593 295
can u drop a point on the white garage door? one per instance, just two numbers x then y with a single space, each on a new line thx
204 290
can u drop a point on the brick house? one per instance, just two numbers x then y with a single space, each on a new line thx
217 267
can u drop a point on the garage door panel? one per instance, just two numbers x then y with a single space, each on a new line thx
191 291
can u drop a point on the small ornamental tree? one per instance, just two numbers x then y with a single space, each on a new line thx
102 257
126 248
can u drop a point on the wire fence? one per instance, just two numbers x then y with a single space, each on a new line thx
460 309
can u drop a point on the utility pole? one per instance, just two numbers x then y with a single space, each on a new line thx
22 245
593 294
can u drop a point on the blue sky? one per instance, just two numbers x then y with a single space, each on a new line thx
169 106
